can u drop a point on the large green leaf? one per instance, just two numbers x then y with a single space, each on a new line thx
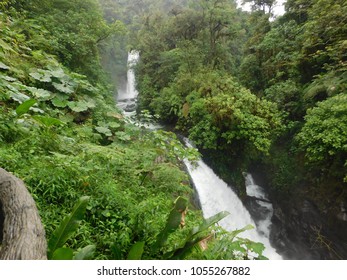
104 130
237 232
65 87
136 251
257 247
6 46
68 226
41 75
113 124
57 72
41 94
86 253
116 252
24 107
17 96
48 121
8 78
123 136
90 103
4 66
172 223
63 254
78 106
207 223
180 253
60 101
197 235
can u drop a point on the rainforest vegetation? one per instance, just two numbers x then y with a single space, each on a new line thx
250 89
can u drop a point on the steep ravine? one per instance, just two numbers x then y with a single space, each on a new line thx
213 194
297 229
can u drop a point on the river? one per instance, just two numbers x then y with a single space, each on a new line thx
213 193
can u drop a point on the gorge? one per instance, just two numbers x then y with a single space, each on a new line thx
214 195
292 234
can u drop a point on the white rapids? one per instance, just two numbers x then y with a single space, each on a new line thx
216 196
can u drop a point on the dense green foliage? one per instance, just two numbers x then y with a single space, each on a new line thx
301 65
256 90
246 88
105 189
324 135
186 78
67 29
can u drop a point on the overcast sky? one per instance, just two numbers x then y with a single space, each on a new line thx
278 9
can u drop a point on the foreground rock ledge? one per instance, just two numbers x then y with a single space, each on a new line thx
22 236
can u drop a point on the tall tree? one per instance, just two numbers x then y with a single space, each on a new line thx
266 6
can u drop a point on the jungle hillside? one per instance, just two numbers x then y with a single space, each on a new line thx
254 91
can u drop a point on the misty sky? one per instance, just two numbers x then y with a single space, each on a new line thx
278 9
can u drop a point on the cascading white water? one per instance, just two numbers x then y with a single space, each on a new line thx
265 210
126 98
216 196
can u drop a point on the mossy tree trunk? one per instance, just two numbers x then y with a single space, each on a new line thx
22 236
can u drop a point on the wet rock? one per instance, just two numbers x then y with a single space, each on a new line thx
303 232
300 230
256 208
343 212
130 107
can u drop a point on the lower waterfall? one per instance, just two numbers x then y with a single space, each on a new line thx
216 196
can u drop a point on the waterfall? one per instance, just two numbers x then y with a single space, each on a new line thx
216 196
127 95
263 207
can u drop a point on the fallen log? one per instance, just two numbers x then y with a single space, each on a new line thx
22 236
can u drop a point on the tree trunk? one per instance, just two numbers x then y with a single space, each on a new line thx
22 236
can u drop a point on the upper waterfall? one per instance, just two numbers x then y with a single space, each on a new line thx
126 98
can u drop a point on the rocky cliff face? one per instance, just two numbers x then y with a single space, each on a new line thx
301 231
